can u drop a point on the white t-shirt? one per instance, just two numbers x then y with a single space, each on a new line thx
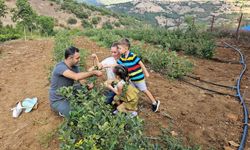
109 71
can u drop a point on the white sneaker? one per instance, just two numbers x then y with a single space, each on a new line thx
60 114
133 114
115 112
17 110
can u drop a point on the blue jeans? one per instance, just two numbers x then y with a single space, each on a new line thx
109 96
61 106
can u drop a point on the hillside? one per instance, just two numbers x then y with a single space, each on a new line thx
104 2
46 8
71 14
171 13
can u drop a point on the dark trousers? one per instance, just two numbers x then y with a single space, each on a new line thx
109 96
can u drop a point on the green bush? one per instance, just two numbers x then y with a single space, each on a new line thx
63 40
198 43
92 126
192 41
86 24
107 25
45 24
75 8
71 21
6 37
82 15
103 37
163 61
117 24
160 60
9 33
95 20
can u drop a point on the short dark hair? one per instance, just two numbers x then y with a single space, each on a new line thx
125 42
70 51
115 44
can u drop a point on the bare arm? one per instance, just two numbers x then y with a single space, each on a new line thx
96 58
96 61
81 75
109 66
117 91
144 69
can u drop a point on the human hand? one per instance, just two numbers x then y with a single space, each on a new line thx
90 86
100 66
146 75
106 84
97 73
93 56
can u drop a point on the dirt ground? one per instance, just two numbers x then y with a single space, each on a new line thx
195 115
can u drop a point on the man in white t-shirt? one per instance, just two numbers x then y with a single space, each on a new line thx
109 70
106 63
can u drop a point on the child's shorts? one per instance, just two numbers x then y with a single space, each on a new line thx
141 85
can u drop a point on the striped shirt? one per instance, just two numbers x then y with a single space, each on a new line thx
132 63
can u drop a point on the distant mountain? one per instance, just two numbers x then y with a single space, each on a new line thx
91 2
104 2
172 13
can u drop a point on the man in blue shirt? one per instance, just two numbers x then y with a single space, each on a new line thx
64 74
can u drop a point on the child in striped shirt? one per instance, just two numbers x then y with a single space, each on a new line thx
137 71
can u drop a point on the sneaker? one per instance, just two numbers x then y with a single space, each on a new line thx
115 112
133 114
60 114
156 106
17 110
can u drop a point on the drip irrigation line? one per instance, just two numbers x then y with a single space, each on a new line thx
197 78
242 102
238 95
220 93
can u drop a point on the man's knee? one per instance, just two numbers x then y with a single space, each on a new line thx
61 106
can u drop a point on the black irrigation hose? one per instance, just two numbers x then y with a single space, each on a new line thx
245 110
220 93
225 86
241 100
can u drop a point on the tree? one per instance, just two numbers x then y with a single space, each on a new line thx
3 8
45 24
24 14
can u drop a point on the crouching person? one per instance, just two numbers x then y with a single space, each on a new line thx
65 73
126 95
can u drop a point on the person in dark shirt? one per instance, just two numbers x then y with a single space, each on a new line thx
64 74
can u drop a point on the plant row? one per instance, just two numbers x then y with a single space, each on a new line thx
158 58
